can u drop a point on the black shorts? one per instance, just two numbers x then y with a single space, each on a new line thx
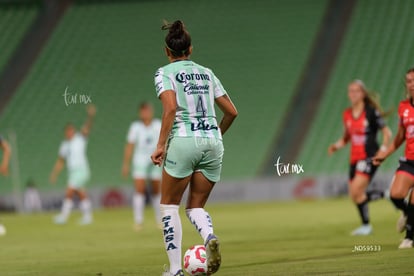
406 166
364 167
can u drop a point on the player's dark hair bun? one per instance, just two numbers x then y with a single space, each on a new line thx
178 39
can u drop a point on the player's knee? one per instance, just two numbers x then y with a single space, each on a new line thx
397 192
170 200
356 194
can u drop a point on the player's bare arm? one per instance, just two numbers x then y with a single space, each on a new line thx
129 148
398 140
339 144
4 167
169 104
57 168
229 112
91 113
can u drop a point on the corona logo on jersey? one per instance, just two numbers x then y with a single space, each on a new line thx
408 122
410 131
406 112
184 77
358 139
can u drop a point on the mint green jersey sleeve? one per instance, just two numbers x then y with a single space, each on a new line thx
218 88
163 82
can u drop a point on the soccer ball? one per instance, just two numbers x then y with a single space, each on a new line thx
195 260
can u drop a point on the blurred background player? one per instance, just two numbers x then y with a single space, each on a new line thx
361 122
403 181
4 168
190 144
5 147
141 142
31 198
73 151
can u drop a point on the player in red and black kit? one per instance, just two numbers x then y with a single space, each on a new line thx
362 121
403 180
4 167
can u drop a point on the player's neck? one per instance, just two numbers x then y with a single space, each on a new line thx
146 122
357 109
174 59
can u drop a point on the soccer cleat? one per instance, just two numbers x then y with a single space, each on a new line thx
59 219
168 273
213 254
138 227
363 230
402 221
406 243
387 194
85 220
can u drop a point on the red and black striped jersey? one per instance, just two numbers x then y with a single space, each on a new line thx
362 132
406 115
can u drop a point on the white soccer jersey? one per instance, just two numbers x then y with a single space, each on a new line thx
196 88
144 138
74 152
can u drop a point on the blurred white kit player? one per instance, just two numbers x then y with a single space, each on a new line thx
4 168
72 151
31 199
141 142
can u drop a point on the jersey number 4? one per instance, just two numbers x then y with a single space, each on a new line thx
200 108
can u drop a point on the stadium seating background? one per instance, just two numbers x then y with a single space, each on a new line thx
14 22
111 50
378 50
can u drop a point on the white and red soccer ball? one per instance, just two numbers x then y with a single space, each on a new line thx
195 260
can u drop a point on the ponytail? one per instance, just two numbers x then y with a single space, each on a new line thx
178 39
372 99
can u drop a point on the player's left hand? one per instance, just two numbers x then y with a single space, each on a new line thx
158 156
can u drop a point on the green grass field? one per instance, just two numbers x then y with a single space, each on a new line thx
275 238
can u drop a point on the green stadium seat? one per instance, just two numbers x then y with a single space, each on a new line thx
110 50
378 50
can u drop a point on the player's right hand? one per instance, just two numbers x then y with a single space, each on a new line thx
91 110
158 156
378 159
331 149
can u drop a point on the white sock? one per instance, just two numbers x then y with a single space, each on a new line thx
138 203
66 208
201 220
155 200
172 230
86 208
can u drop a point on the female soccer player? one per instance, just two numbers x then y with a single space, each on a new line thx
142 141
4 168
190 144
403 180
361 122
73 151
